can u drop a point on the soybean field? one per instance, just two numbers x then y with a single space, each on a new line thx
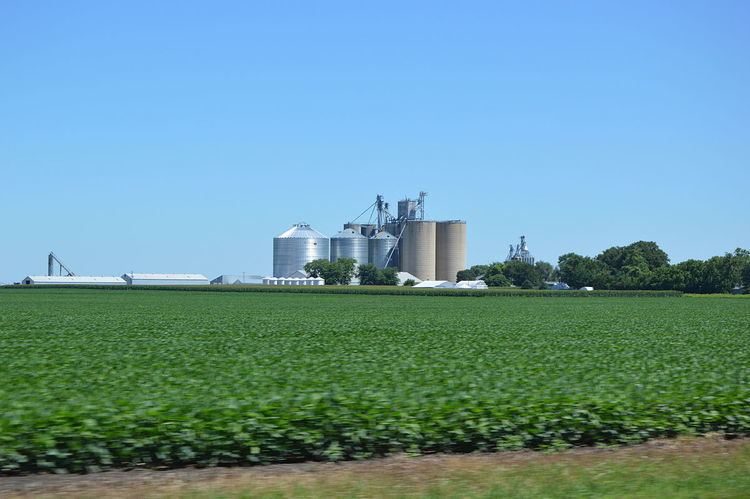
96 379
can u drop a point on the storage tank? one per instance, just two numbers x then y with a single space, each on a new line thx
353 226
349 244
297 246
418 249
368 230
450 249
381 245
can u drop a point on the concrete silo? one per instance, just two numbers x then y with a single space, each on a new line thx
349 244
450 249
297 246
383 249
418 249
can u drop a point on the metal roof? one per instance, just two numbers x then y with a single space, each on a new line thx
435 284
74 279
171 277
383 235
302 231
349 234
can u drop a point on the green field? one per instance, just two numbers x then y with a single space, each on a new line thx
117 378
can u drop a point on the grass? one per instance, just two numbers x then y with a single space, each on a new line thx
682 471
96 379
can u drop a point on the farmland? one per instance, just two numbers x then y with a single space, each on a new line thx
93 379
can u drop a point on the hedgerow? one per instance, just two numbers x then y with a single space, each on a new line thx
94 379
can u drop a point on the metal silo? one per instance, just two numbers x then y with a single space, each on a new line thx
450 249
349 244
368 230
297 246
418 249
382 245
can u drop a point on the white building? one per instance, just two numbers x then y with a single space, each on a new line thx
80 280
165 279
435 284
293 281
480 284
405 276
238 279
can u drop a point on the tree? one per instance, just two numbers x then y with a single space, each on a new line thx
648 252
518 273
317 268
388 276
371 275
409 282
579 271
345 270
465 275
368 274
493 276
496 281
545 269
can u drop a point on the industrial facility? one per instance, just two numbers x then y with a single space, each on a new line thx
70 278
520 253
428 249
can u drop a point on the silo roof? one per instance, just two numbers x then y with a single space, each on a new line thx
383 235
349 234
302 231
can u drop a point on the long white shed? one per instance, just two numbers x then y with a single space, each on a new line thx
165 279
80 280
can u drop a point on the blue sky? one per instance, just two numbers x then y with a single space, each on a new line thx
182 136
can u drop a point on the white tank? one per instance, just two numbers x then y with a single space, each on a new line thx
450 249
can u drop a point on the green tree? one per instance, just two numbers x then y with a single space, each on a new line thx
409 282
317 268
345 270
388 276
368 274
545 269
465 275
519 272
648 252
578 271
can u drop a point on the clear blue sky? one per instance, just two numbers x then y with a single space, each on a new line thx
182 136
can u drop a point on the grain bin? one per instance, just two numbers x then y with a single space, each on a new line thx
450 249
297 246
418 249
349 244
382 245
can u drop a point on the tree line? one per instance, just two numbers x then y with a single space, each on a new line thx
641 265
343 270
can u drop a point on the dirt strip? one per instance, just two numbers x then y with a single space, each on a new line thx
155 483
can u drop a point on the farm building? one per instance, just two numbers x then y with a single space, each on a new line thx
165 279
81 280
293 281
480 284
405 276
238 279
435 284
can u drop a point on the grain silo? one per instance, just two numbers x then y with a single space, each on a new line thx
349 244
418 249
383 250
450 249
297 246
